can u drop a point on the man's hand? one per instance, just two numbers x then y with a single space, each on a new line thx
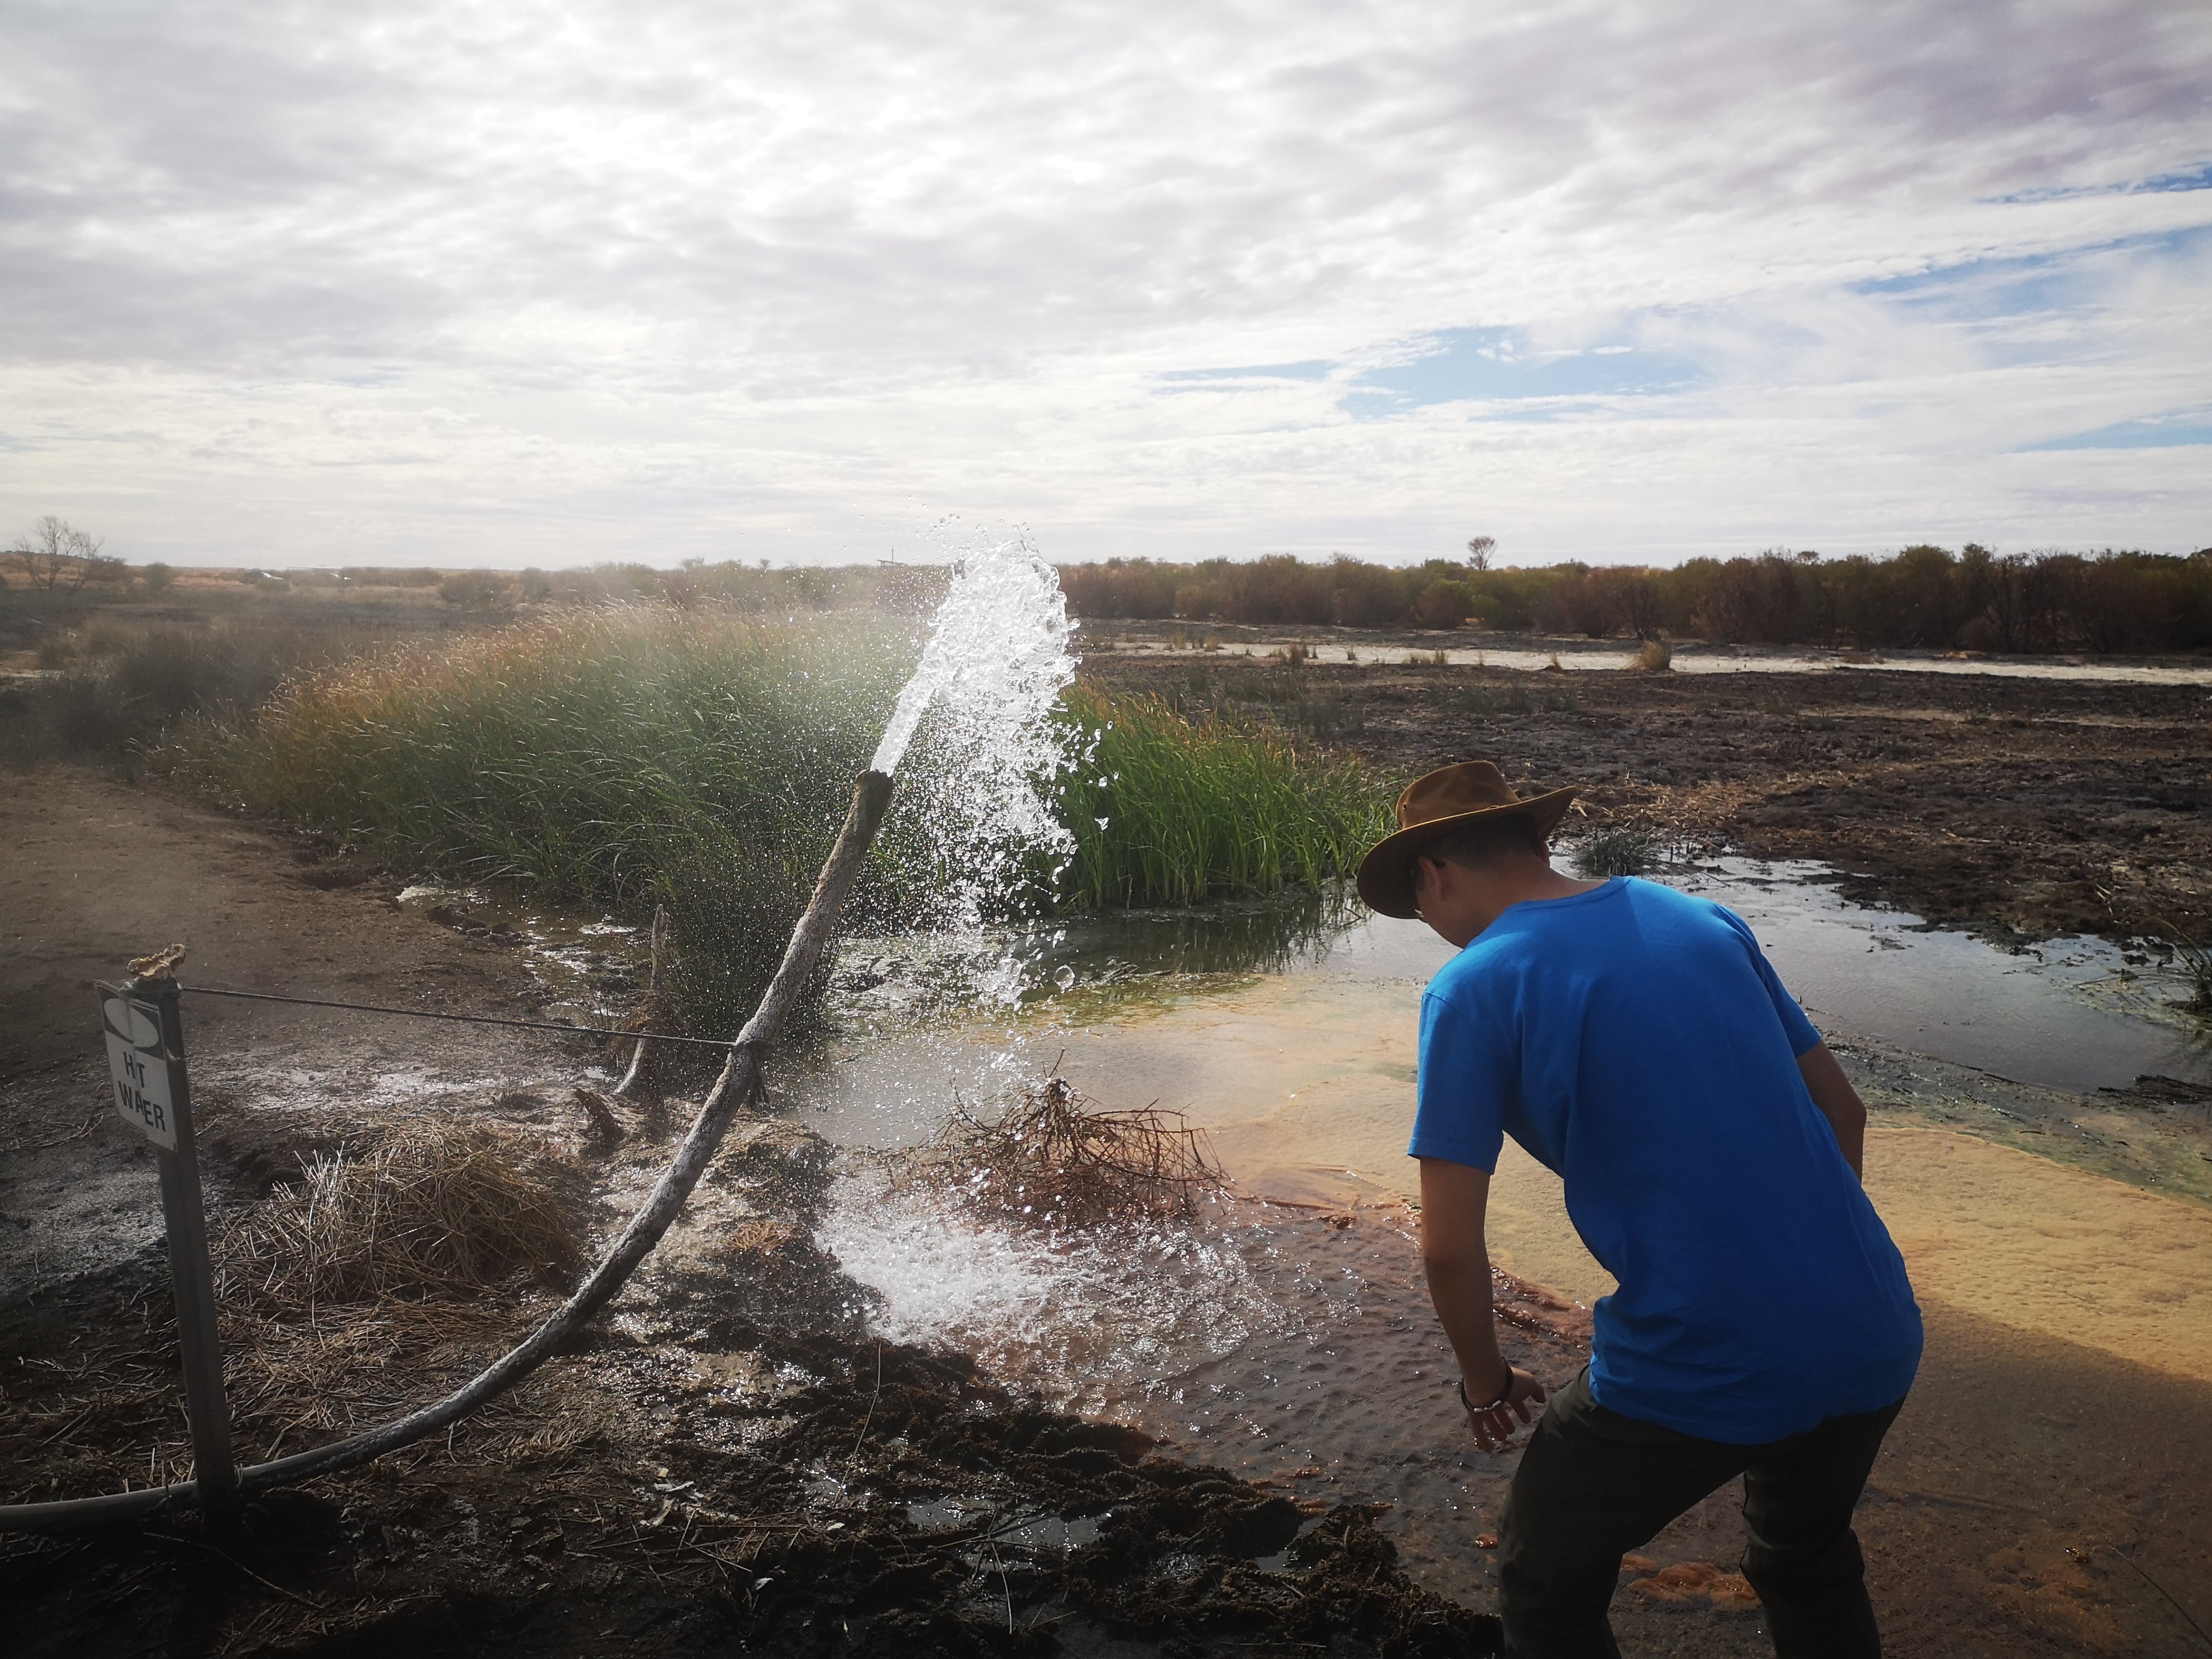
1457 1263
1493 1429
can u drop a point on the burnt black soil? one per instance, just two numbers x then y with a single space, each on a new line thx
769 1516
2021 808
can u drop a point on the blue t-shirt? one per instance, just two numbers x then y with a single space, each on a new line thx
1635 1042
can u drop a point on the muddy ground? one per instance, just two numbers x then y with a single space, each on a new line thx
728 1464
720 1469
2021 808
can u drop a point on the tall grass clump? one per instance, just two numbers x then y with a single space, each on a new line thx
1170 810
2194 959
622 758
1616 850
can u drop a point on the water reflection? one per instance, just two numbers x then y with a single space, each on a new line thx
1297 933
2074 1014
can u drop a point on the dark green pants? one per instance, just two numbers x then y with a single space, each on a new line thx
1593 1485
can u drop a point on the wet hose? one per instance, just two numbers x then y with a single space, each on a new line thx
738 1084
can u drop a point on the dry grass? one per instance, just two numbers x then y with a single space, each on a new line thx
1055 1159
439 1209
1654 657
389 1272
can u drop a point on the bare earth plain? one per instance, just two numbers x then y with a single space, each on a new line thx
725 1468
2018 807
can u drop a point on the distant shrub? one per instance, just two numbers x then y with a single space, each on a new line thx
478 590
122 684
1442 604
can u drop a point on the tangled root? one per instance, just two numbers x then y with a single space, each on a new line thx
1055 1159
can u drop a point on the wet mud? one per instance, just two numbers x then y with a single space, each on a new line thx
733 1463
729 1465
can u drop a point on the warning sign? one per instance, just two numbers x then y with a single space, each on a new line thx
140 1070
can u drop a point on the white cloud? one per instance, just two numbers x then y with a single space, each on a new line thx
538 284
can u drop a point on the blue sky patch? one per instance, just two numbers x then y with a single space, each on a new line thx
1496 365
2196 178
2080 282
2158 432
2182 179
1985 288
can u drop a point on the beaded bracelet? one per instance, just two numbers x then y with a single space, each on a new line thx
1503 1394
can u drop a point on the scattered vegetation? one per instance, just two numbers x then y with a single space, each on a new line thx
1515 695
1175 810
1616 850
1929 597
481 590
1056 1159
1654 656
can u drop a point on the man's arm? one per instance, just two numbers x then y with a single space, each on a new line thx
1455 1259
1839 1102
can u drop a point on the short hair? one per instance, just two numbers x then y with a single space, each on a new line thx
1486 842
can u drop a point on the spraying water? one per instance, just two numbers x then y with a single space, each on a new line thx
979 717
997 659
977 742
1093 1319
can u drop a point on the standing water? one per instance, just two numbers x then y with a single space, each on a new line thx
1260 1337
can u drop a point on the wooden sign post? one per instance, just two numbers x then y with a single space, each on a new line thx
146 1062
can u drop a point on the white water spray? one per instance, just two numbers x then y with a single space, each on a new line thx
979 714
997 658
1095 1320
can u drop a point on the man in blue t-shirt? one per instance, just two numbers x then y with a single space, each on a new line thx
1635 1041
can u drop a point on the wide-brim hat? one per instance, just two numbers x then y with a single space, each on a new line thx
1437 802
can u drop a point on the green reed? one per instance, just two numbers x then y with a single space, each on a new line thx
617 758
626 758
1169 810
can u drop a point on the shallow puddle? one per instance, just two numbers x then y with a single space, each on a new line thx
2071 1014
2075 1014
1580 657
1270 1341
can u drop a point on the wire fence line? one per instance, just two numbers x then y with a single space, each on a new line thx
562 1026
737 1089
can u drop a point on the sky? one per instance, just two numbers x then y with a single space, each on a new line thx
840 280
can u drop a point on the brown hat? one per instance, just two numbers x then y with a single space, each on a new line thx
1437 802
